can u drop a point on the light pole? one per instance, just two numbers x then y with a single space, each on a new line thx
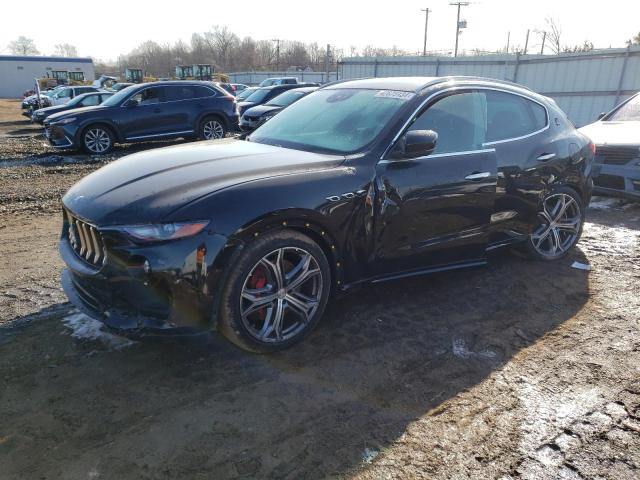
458 4
426 24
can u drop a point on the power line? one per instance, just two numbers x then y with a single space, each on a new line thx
458 4
426 24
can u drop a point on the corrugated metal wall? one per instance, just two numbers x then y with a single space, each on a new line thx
583 84
254 78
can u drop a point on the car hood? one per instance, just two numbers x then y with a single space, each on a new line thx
260 110
147 187
51 110
613 133
74 111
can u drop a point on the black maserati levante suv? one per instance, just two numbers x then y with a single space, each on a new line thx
360 181
145 112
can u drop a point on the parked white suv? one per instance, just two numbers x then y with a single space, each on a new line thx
63 95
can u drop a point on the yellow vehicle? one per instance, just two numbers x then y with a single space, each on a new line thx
184 72
77 78
133 75
53 79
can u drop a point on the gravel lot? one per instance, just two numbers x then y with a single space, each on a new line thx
519 370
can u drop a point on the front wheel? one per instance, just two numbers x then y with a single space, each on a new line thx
212 128
560 222
276 292
97 140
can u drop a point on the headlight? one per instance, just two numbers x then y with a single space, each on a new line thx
65 121
164 231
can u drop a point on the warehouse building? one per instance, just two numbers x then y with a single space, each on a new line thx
17 73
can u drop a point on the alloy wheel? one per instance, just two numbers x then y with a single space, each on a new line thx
560 221
281 294
212 129
97 140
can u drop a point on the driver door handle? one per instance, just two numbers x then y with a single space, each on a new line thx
477 175
546 156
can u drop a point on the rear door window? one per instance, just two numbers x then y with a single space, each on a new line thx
511 116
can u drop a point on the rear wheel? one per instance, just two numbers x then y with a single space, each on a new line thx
560 221
276 292
212 128
97 139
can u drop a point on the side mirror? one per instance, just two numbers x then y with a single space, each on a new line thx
416 143
602 115
131 103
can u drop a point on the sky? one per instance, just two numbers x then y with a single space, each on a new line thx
117 26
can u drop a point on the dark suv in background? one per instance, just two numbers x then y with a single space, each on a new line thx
146 111
264 94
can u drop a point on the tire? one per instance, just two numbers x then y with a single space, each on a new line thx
97 140
254 302
212 128
559 225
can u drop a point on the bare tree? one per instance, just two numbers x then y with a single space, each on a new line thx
65 50
554 35
221 41
635 40
23 46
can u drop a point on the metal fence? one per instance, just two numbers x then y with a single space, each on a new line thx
583 84
254 78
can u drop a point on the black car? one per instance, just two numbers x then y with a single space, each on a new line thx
263 94
255 116
146 111
116 87
84 100
360 181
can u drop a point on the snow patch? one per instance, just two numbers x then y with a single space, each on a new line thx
600 203
461 350
87 328
369 454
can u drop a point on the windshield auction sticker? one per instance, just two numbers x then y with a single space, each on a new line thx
395 94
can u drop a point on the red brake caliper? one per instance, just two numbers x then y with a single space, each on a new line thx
258 280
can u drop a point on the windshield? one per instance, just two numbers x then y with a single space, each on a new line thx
245 93
333 121
257 96
118 97
267 83
286 98
629 112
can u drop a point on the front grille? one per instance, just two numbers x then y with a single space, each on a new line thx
609 181
85 239
612 155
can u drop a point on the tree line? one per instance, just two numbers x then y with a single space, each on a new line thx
227 52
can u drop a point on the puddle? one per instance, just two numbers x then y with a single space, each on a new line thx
86 328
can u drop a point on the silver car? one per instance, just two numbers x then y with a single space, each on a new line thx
617 139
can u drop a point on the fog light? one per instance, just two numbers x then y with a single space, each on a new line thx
146 266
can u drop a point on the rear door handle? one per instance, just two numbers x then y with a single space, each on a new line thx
477 176
546 156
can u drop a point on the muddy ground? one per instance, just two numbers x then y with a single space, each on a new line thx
518 370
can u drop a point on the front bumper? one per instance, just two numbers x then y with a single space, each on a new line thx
617 180
61 136
174 297
249 124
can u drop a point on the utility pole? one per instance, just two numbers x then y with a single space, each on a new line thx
544 37
426 24
508 41
526 43
459 4
327 62
277 40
